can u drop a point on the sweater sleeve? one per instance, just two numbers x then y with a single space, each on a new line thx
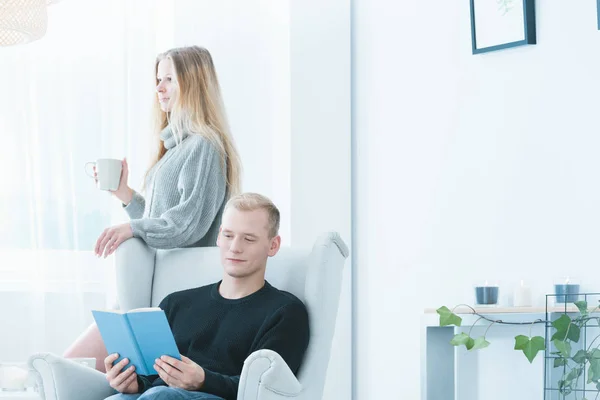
286 333
145 382
135 208
202 187
224 386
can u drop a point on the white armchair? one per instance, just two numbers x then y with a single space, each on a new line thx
146 276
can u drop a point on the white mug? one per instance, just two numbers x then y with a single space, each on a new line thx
108 171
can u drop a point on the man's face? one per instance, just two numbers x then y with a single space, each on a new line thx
244 242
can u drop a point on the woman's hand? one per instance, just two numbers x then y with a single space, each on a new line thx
123 192
111 238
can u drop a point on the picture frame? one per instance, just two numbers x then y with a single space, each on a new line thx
502 24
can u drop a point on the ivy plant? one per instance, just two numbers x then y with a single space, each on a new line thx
565 337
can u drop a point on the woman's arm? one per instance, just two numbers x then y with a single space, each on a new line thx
202 185
135 208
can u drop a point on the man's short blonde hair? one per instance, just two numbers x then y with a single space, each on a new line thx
255 201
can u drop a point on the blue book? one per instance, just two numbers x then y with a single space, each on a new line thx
141 335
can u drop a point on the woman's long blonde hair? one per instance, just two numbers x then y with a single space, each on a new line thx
198 109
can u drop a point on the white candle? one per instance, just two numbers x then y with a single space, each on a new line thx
522 296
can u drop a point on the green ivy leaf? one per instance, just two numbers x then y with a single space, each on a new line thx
594 354
564 325
582 306
520 342
561 323
594 369
480 343
563 347
530 346
574 333
580 357
536 344
559 362
469 345
463 338
574 374
564 387
447 317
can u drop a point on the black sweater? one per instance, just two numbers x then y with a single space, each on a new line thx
219 334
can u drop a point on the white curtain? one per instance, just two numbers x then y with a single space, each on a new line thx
82 92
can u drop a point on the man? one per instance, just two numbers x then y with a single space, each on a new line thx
218 326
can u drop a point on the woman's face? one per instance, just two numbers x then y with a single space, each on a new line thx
167 87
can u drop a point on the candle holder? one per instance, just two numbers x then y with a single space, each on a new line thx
566 290
487 294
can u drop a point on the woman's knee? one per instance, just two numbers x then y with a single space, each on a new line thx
89 344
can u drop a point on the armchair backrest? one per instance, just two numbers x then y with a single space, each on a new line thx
145 276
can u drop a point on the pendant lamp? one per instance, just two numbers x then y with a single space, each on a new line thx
22 21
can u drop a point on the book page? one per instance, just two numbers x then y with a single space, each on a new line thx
110 311
144 309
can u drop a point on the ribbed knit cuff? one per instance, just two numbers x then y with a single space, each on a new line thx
211 382
220 385
138 229
135 208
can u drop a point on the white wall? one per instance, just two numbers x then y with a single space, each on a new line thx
320 151
284 67
250 45
467 168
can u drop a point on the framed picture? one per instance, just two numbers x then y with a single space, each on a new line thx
500 24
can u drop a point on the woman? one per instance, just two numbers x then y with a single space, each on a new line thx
195 171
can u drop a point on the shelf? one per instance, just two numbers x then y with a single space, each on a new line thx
513 310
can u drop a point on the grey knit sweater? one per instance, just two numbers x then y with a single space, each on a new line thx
185 196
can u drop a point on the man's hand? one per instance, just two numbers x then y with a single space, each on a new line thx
123 382
184 374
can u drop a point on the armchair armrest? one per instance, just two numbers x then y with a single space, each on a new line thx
266 376
61 379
